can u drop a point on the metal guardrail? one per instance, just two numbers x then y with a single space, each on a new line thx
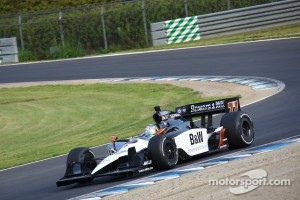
229 22
8 50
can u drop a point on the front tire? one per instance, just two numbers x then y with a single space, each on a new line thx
239 129
163 151
80 161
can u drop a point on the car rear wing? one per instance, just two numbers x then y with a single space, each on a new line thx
209 107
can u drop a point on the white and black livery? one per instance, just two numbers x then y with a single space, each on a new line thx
175 136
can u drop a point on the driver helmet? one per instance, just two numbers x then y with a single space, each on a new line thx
150 130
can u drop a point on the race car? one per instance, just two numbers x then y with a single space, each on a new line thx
174 136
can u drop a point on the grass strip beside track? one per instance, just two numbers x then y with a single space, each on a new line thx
44 121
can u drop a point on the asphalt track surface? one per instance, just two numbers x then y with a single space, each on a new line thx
275 118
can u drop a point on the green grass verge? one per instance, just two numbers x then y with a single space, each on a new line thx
44 121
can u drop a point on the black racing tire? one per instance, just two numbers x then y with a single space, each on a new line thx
163 151
239 129
84 156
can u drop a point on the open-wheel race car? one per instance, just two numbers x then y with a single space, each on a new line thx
174 136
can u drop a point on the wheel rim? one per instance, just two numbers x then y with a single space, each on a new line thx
247 134
170 151
88 161
246 130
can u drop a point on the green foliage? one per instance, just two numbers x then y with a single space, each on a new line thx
25 55
81 27
66 51
25 6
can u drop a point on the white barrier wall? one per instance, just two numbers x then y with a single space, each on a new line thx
8 50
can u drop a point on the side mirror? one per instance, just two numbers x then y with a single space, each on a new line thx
113 138
161 131
157 108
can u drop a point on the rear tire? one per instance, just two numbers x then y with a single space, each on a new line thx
239 129
163 151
